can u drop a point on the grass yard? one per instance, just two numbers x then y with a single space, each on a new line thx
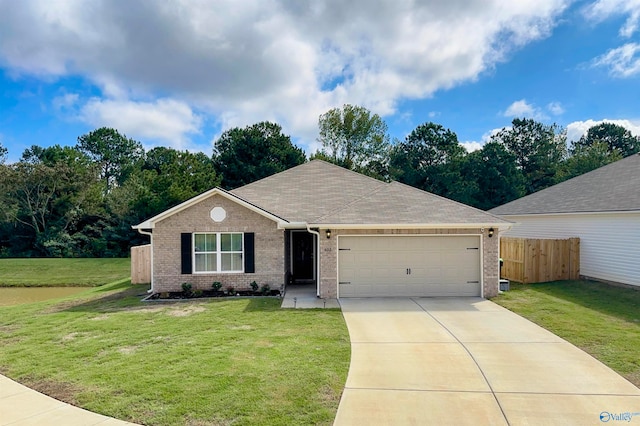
600 319
233 361
62 272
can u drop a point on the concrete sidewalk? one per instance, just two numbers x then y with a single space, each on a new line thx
303 296
21 406
468 361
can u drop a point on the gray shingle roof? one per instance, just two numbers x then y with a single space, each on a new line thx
308 191
321 193
396 203
612 188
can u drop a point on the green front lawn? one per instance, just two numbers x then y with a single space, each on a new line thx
602 320
62 272
234 361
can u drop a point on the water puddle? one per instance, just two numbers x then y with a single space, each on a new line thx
10 296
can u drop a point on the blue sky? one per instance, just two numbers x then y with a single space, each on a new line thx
179 73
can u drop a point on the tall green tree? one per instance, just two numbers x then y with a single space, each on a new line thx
163 178
586 158
354 138
539 150
3 153
244 155
429 158
45 205
616 138
174 176
112 152
492 176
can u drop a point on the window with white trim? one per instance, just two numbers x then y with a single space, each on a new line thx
218 252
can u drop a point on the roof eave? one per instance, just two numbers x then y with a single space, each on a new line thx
502 226
504 215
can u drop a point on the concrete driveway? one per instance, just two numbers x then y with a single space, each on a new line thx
462 361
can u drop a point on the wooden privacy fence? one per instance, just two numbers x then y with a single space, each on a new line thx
537 261
141 264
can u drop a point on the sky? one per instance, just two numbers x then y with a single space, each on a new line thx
178 73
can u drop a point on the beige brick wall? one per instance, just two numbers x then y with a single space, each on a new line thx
491 265
269 247
329 255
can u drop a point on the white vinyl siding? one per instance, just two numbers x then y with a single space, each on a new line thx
413 266
609 242
217 252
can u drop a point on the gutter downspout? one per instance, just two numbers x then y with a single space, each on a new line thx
150 234
317 234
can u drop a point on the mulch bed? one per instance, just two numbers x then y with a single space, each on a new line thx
173 295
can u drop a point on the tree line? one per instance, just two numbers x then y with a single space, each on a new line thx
81 200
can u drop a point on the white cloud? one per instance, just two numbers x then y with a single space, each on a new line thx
165 120
472 146
65 102
623 61
270 59
555 108
577 129
604 9
522 108
631 26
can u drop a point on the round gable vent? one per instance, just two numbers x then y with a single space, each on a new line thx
218 214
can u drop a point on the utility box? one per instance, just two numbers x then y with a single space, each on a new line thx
504 285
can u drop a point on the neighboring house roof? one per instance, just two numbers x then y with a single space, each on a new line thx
611 188
323 194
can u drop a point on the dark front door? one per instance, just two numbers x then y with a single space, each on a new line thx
303 250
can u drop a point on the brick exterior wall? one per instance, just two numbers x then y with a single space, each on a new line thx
491 264
329 255
269 247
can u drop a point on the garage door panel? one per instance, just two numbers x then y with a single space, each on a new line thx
439 266
363 257
381 258
432 260
413 258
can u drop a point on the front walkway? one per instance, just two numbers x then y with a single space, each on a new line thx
21 406
468 361
303 296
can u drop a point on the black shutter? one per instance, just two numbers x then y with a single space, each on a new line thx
249 253
185 251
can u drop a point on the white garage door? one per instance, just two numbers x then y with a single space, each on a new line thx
387 266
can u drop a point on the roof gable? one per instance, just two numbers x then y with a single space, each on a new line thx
611 188
150 223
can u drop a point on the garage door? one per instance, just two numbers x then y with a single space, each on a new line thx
416 266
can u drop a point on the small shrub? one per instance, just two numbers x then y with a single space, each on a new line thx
265 289
254 286
186 288
197 293
216 286
230 290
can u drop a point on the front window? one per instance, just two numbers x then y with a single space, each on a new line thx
218 252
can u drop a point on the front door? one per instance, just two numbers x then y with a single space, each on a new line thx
302 256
